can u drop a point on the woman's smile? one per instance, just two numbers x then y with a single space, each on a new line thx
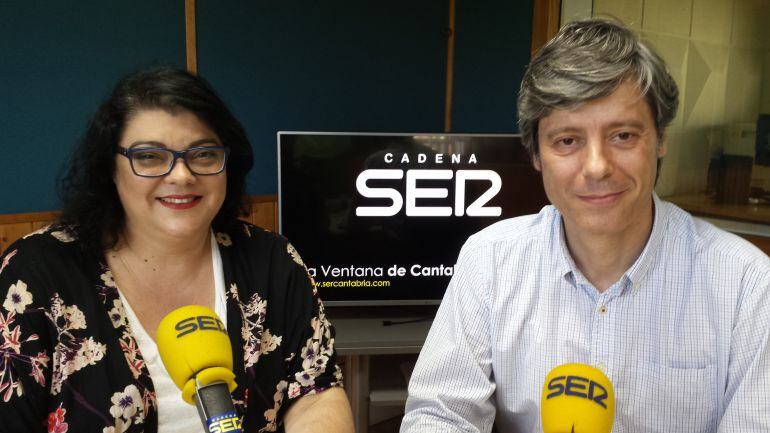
179 202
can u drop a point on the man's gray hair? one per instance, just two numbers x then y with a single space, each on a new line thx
587 60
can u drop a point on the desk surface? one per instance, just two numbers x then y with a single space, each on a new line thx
701 204
361 331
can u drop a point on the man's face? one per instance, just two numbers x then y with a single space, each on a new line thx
599 163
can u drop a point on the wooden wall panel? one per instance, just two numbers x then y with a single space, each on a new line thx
264 213
191 48
37 225
14 226
545 22
12 231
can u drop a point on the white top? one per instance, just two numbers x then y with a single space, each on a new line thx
684 334
174 414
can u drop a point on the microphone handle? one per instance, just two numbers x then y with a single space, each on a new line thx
215 407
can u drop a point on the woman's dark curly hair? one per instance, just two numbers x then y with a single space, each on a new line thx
90 201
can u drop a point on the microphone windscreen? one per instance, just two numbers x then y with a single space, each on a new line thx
193 343
577 398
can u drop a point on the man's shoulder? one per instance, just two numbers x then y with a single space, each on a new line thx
517 230
709 242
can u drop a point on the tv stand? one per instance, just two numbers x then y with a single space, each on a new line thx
361 335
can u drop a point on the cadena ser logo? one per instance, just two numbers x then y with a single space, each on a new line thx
203 323
226 423
579 387
413 190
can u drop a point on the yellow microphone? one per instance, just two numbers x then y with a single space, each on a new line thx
195 349
577 398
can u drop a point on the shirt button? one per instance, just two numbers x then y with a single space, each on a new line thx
602 367
603 309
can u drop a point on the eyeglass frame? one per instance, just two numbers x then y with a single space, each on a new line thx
176 153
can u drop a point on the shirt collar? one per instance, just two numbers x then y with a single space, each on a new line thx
566 266
638 270
641 266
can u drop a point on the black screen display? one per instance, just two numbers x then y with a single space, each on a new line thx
381 218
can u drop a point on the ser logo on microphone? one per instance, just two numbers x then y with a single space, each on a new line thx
203 323
228 422
579 387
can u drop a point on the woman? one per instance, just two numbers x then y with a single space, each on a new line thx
149 224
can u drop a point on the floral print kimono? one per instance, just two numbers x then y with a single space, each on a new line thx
69 363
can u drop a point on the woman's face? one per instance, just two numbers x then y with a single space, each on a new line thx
179 204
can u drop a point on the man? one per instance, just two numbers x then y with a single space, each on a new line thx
673 310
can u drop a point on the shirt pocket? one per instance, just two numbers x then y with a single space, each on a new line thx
669 399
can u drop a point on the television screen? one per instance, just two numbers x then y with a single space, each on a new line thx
379 219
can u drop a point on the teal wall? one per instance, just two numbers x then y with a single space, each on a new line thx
58 61
338 65
492 50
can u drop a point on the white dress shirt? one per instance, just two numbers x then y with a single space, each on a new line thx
683 335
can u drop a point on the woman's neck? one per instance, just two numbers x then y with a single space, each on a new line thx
165 250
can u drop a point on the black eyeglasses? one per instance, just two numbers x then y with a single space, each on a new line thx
159 161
